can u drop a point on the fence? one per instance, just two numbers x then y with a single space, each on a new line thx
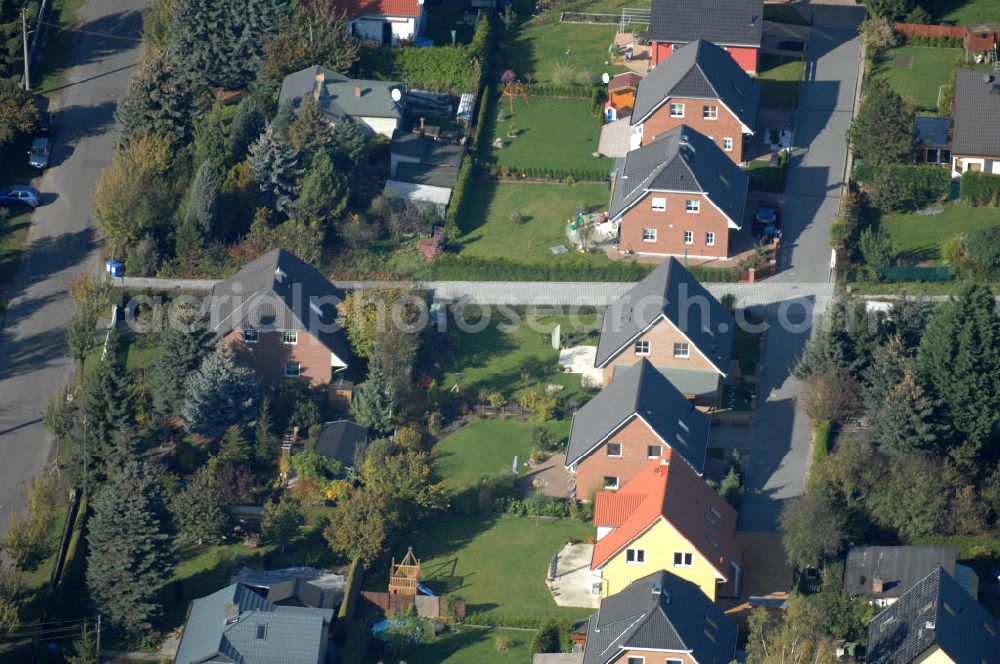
583 17
921 30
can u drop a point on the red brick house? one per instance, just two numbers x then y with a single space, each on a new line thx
680 195
735 25
279 315
701 87
671 321
638 416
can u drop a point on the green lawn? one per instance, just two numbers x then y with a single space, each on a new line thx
473 645
917 72
780 77
965 12
784 14
560 53
545 209
487 447
550 133
496 564
765 177
512 360
13 230
916 237
56 56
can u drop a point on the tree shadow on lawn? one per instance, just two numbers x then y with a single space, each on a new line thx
477 350
476 211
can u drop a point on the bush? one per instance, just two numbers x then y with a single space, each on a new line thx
821 444
546 639
574 91
895 186
983 246
979 188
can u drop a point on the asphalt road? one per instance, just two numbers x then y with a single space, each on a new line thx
62 241
781 438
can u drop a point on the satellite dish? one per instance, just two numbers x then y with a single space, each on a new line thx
396 94
606 78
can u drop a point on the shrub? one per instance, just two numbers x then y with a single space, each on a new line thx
894 186
546 639
983 246
821 443
979 188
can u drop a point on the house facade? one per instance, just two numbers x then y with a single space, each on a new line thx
384 21
975 139
702 88
679 195
736 26
278 314
666 518
674 323
375 105
616 434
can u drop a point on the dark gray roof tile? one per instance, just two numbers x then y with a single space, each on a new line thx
724 22
977 110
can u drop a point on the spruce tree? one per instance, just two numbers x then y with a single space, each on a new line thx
276 168
130 555
906 420
106 408
325 192
183 352
234 447
889 366
371 404
219 394
265 446
203 204
882 131
158 101
310 132
246 127
959 356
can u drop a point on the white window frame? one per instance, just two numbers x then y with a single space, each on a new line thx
611 486
709 238
692 206
710 112
658 203
290 337
251 338
649 235
298 371
676 109
654 456
642 348
727 144
682 350
688 237
638 556
687 559
675 661
636 659
615 456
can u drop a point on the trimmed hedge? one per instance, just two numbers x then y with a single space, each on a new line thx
458 193
577 91
352 593
938 42
979 188
552 174
914 183
453 267
821 445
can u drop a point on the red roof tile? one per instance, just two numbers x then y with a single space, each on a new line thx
672 492
355 8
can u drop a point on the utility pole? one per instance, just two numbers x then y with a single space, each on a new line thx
24 42
98 653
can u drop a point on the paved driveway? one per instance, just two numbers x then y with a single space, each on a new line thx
62 241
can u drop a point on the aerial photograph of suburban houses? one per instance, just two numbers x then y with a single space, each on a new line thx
500 331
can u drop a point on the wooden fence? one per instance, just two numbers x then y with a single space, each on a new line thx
921 30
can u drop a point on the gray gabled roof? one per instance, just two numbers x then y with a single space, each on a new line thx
640 391
660 612
224 627
937 610
700 70
724 22
681 160
899 568
338 94
977 107
279 291
340 440
669 292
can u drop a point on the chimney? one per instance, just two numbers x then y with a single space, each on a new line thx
878 585
318 85
279 275
231 612
421 125
657 589
357 90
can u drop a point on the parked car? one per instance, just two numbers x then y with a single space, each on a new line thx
44 124
38 155
767 216
20 195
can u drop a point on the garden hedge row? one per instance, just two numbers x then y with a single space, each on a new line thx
578 91
979 188
940 42
913 182
455 267
553 174
352 593
458 193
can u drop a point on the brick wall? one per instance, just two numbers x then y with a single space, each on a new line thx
726 126
634 438
670 225
268 356
654 657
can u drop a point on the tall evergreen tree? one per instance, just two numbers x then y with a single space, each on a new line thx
219 394
371 404
906 420
959 356
325 192
158 101
276 168
882 131
130 556
183 352
265 444
247 125
200 509
203 204
310 132
234 447
830 348
317 34
889 366
106 408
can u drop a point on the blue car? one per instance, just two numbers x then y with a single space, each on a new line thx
766 216
20 195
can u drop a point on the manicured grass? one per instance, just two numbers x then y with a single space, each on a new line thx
58 45
929 69
917 237
496 564
965 12
545 208
13 231
473 645
784 14
780 77
550 133
487 447
512 360
765 177
560 53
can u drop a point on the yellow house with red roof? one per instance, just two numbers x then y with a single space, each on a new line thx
666 518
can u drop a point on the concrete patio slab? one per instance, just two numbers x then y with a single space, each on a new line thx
573 584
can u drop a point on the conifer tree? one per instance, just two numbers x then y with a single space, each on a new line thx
106 407
158 101
204 201
234 447
219 394
200 510
325 192
130 556
264 440
276 168
906 420
246 127
310 132
882 131
371 404
183 352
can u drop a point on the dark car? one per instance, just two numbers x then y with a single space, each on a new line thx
20 195
44 124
